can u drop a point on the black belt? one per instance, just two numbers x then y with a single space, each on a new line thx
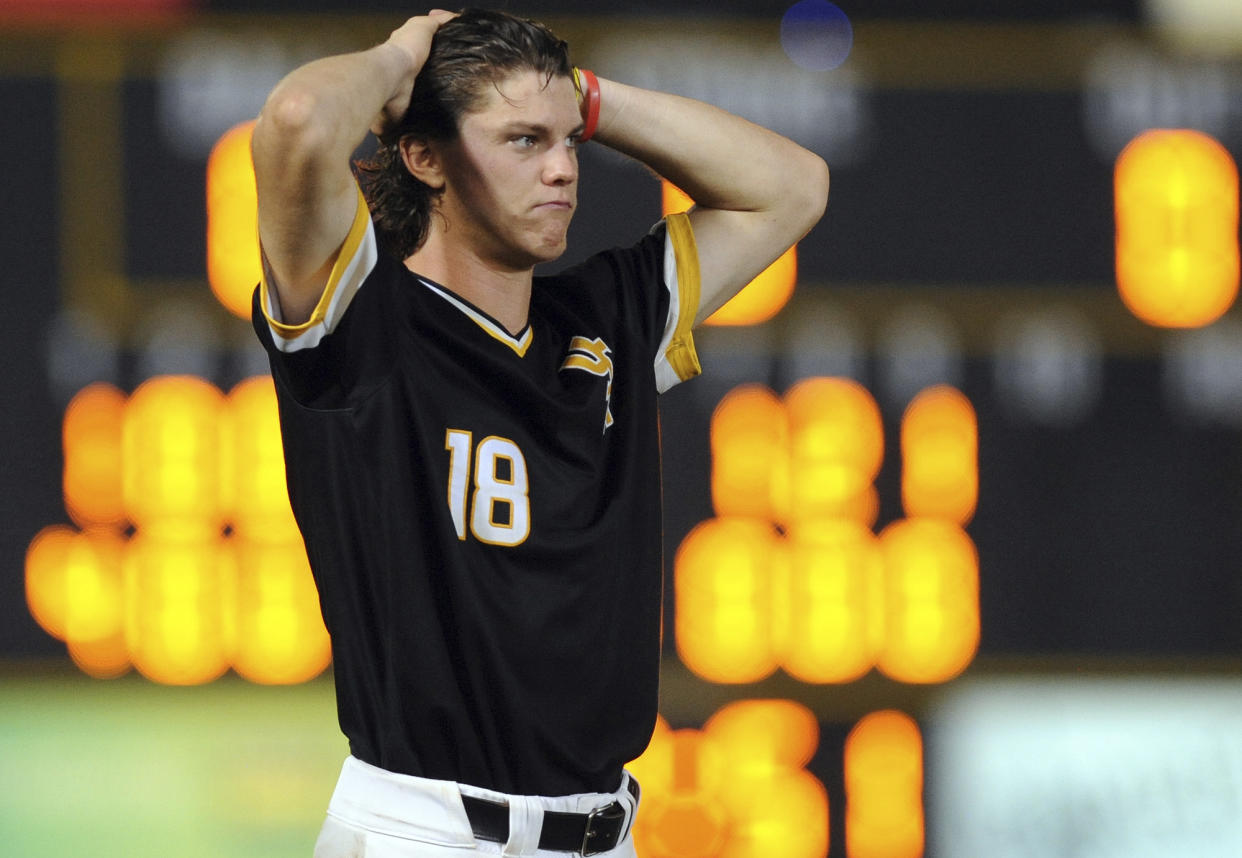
585 833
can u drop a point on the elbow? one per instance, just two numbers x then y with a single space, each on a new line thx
804 193
815 186
289 127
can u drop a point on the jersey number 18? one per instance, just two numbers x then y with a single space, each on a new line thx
498 507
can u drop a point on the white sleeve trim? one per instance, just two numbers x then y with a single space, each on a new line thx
666 376
358 257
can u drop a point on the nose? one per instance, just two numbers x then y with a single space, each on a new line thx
561 165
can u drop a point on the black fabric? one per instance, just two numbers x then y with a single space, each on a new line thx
586 833
526 669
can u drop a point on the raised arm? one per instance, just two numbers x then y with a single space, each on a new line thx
309 128
756 193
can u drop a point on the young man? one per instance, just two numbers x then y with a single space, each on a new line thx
472 452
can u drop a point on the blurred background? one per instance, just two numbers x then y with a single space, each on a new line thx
952 517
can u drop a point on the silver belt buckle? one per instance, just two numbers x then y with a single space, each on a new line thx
614 812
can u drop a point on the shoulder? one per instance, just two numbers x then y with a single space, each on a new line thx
642 259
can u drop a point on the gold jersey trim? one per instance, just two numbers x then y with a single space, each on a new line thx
362 219
519 343
681 354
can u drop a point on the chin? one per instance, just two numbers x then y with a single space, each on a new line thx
554 254
551 251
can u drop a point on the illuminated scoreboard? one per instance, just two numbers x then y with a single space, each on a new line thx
989 411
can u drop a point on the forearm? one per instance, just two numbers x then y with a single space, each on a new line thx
720 160
756 193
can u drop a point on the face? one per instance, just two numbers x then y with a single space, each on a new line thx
511 177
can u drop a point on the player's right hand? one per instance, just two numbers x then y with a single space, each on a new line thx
413 39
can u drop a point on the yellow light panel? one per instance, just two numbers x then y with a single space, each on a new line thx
750 454
763 297
736 789
180 601
1176 205
931 618
179 622
940 456
47 558
74 591
281 638
723 579
257 462
837 446
766 735
233 265
654 769
91 434
836 582
172 454
884 788
94 603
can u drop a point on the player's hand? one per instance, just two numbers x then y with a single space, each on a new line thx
413 39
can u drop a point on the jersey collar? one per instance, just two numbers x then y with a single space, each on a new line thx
519 342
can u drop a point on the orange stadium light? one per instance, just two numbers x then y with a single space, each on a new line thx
837 446
1176 203
836 593
74 591
233 265
179 620
940 456
257 459
690 820
180 601
884 788
750 454
766 736
280 636
736 789
763 297
931 616
91 434
724 571
175 455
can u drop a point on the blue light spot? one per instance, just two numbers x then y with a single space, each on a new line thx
816 35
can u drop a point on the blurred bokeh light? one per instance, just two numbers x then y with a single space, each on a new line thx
1177 228
816 35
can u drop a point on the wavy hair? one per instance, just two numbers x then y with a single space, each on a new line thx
470 53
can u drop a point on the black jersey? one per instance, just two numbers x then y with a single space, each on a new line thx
482 510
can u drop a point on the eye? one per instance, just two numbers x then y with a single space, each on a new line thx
524 141
573 141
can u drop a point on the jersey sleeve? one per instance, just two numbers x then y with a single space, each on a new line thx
676 359
645 295
345 347
355 261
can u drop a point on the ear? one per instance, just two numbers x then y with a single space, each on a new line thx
423 161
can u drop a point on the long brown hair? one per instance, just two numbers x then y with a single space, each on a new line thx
473 51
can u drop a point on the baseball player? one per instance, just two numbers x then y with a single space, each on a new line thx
472 451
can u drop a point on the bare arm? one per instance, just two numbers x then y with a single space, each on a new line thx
308 129
756 193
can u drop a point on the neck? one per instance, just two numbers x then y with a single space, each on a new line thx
500 291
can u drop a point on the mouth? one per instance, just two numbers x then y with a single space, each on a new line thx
555 205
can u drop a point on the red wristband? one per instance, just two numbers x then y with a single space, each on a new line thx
590 103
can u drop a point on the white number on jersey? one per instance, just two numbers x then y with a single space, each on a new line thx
499 506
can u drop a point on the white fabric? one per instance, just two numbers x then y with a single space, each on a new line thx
525 821
666 376
378 814
353 272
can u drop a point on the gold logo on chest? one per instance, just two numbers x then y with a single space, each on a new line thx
593 356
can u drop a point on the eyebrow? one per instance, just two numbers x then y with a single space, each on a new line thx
535 129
